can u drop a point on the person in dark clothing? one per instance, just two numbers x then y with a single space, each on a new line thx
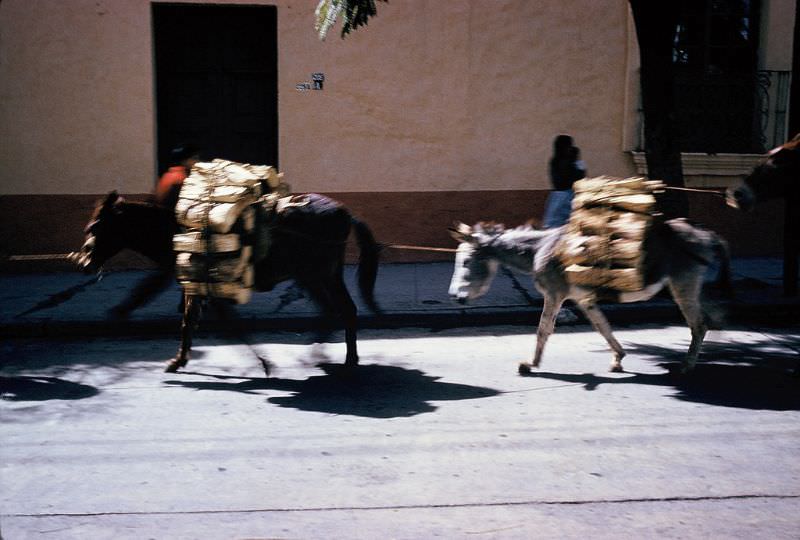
565 168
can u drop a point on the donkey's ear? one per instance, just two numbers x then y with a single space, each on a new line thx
111 198
460 231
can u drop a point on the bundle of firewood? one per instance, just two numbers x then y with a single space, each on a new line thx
214 251
602 245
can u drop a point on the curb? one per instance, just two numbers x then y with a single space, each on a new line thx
617 314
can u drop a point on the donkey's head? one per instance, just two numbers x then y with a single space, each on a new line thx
476 264
770 179
103 238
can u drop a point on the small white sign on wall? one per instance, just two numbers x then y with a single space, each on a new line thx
317 80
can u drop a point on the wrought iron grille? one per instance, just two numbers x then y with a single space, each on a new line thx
734 113
773 108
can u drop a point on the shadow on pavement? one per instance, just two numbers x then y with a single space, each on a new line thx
748 376
43 389
372 391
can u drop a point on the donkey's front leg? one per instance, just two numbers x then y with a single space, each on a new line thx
600 323
191 316
547 323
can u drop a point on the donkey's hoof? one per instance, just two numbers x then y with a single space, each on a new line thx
174 366
266 365
615 368
524 368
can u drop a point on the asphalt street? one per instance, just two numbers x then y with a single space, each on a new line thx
435 435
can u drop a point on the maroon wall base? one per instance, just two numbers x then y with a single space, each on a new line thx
39 224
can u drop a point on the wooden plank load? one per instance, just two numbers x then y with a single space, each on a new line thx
214 253
602 245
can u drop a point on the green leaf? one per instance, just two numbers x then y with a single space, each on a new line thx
354 13
326 14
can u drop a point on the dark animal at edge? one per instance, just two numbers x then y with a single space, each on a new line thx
307 245
777 177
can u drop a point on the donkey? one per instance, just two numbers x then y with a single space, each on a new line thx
144 228
677 255
307 244
777 177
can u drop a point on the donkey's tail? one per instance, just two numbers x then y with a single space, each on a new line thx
723 254
367 263
714 313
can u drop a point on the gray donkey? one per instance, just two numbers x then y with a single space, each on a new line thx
677 255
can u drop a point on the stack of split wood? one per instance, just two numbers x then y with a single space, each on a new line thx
214 253
603 242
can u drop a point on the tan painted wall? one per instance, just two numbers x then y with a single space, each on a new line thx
777 34
438 110
76 113
432 95
458 96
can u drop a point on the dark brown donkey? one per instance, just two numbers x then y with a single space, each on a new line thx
307 245
777 177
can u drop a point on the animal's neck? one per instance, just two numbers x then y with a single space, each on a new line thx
148 230
516 248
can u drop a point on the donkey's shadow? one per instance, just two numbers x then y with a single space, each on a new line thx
41 388
728 375
375 391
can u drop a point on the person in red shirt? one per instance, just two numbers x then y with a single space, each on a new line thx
182 158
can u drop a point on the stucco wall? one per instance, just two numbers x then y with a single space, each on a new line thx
457 96
431 95
777 34
437 110
75 97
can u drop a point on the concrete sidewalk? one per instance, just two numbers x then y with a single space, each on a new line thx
410 294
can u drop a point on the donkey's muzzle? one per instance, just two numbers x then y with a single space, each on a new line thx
740 198
83 260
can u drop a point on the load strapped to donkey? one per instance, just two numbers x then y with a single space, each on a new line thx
222 208
603 245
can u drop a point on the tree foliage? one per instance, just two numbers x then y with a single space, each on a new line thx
354 13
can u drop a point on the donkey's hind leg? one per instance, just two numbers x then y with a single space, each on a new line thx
333 299
547 324
686 293
191 317
599 322
346 309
